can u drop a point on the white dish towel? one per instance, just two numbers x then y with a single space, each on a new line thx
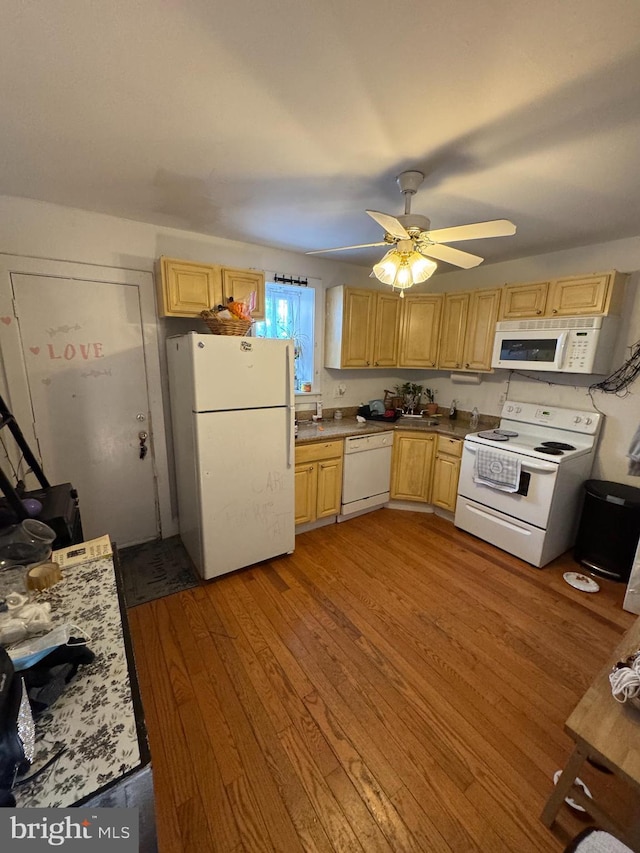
497 470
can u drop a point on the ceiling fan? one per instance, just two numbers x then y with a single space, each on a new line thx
410 236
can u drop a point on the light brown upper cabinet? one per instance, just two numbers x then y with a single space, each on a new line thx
454 325
588 294
571 296
185 288
420 330
361 328
239 284
524 300
468 329
481 326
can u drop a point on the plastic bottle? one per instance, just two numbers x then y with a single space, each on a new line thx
453 412
475 418
319 410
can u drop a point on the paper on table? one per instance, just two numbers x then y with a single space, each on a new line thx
83 552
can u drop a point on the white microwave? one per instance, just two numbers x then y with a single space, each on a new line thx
563 345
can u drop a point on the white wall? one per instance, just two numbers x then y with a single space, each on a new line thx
43 230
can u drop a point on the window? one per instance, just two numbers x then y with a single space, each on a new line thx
289 313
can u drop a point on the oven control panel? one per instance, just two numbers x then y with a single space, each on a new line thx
557 417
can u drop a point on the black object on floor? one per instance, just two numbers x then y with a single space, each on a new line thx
155 569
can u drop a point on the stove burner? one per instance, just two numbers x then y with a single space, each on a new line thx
558 445
508 432
552 451
493 436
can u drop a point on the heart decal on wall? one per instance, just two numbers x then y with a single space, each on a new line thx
6 320
35 350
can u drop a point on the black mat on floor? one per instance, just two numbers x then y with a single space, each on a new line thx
156 569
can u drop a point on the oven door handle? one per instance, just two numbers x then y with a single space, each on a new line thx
543 467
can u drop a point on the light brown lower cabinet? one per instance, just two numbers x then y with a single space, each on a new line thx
412 466
318 480
446 471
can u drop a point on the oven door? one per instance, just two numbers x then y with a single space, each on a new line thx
532 501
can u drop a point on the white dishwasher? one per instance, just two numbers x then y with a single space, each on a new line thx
366 473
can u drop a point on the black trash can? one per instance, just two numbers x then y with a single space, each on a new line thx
609 529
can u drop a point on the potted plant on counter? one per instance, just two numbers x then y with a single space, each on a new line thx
432 407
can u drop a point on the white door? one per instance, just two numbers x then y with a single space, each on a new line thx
84 362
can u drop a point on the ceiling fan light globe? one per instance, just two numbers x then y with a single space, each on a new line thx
387 269
404 269
421 268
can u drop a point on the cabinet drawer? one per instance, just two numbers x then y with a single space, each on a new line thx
451 446
318 450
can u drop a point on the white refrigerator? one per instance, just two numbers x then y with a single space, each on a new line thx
232 411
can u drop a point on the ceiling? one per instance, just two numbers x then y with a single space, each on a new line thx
280 123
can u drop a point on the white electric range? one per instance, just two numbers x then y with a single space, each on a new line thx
551 450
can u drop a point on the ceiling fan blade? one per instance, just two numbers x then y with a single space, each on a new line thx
345 248
450 255
390 224
476 231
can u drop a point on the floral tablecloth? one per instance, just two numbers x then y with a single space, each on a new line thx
94 719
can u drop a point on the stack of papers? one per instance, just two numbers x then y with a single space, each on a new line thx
83 552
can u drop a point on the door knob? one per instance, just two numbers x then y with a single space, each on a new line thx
143 436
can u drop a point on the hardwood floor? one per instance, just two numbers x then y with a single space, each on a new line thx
394 685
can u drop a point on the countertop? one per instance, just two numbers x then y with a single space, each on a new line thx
325 430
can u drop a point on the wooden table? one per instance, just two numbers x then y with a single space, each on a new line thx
608 733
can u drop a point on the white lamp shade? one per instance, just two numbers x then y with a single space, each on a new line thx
404 269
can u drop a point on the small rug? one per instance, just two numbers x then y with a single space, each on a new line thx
155 569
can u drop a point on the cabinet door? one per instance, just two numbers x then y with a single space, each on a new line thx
571 297
358 327
524 300
445 481
454 324
481 326
185 288
329 487
411 468
240 283
421 316
386 334
306 488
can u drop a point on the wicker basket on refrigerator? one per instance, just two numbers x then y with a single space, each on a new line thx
219 326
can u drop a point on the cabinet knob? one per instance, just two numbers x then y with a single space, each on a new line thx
467 364
310 468
554 311
368 363
376 364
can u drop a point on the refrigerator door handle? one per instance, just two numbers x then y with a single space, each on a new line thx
290 409
290 374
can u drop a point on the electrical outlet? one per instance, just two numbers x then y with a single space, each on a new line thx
340 390
503 398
